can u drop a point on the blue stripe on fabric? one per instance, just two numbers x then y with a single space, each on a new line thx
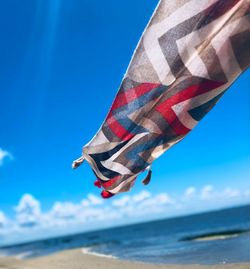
134 156
121 114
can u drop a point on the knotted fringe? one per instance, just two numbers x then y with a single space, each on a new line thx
147 179
78 162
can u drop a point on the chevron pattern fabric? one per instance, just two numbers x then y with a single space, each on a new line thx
188 56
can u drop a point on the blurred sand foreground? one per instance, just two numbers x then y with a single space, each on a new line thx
75 259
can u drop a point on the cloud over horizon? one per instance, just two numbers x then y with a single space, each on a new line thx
94 213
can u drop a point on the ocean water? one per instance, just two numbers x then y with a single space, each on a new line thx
209 238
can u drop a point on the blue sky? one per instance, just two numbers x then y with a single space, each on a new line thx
61 65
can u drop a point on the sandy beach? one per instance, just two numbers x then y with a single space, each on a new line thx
75 259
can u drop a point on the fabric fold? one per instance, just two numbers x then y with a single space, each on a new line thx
188 56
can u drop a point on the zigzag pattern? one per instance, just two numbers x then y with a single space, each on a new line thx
187 58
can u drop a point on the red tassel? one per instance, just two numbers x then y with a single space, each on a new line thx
97 183
106 194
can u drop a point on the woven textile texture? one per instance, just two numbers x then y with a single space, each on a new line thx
188 56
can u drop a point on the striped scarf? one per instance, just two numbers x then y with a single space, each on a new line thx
188 56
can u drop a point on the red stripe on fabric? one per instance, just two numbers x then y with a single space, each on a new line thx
165 108
109 183
175 123
118 129
190 92
132 94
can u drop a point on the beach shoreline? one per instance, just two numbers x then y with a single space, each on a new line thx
76 259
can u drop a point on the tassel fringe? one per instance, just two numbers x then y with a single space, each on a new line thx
78 162
147 179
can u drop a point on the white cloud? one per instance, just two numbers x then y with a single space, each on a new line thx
3 155
189 192
93 212
164 198
94 200
64 210
121 202
28 211
141 196
76 213
160 199
93 209
207 192
3 219
231 193
143 204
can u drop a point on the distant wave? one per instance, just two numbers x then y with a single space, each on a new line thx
215 235
88 251
19 256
